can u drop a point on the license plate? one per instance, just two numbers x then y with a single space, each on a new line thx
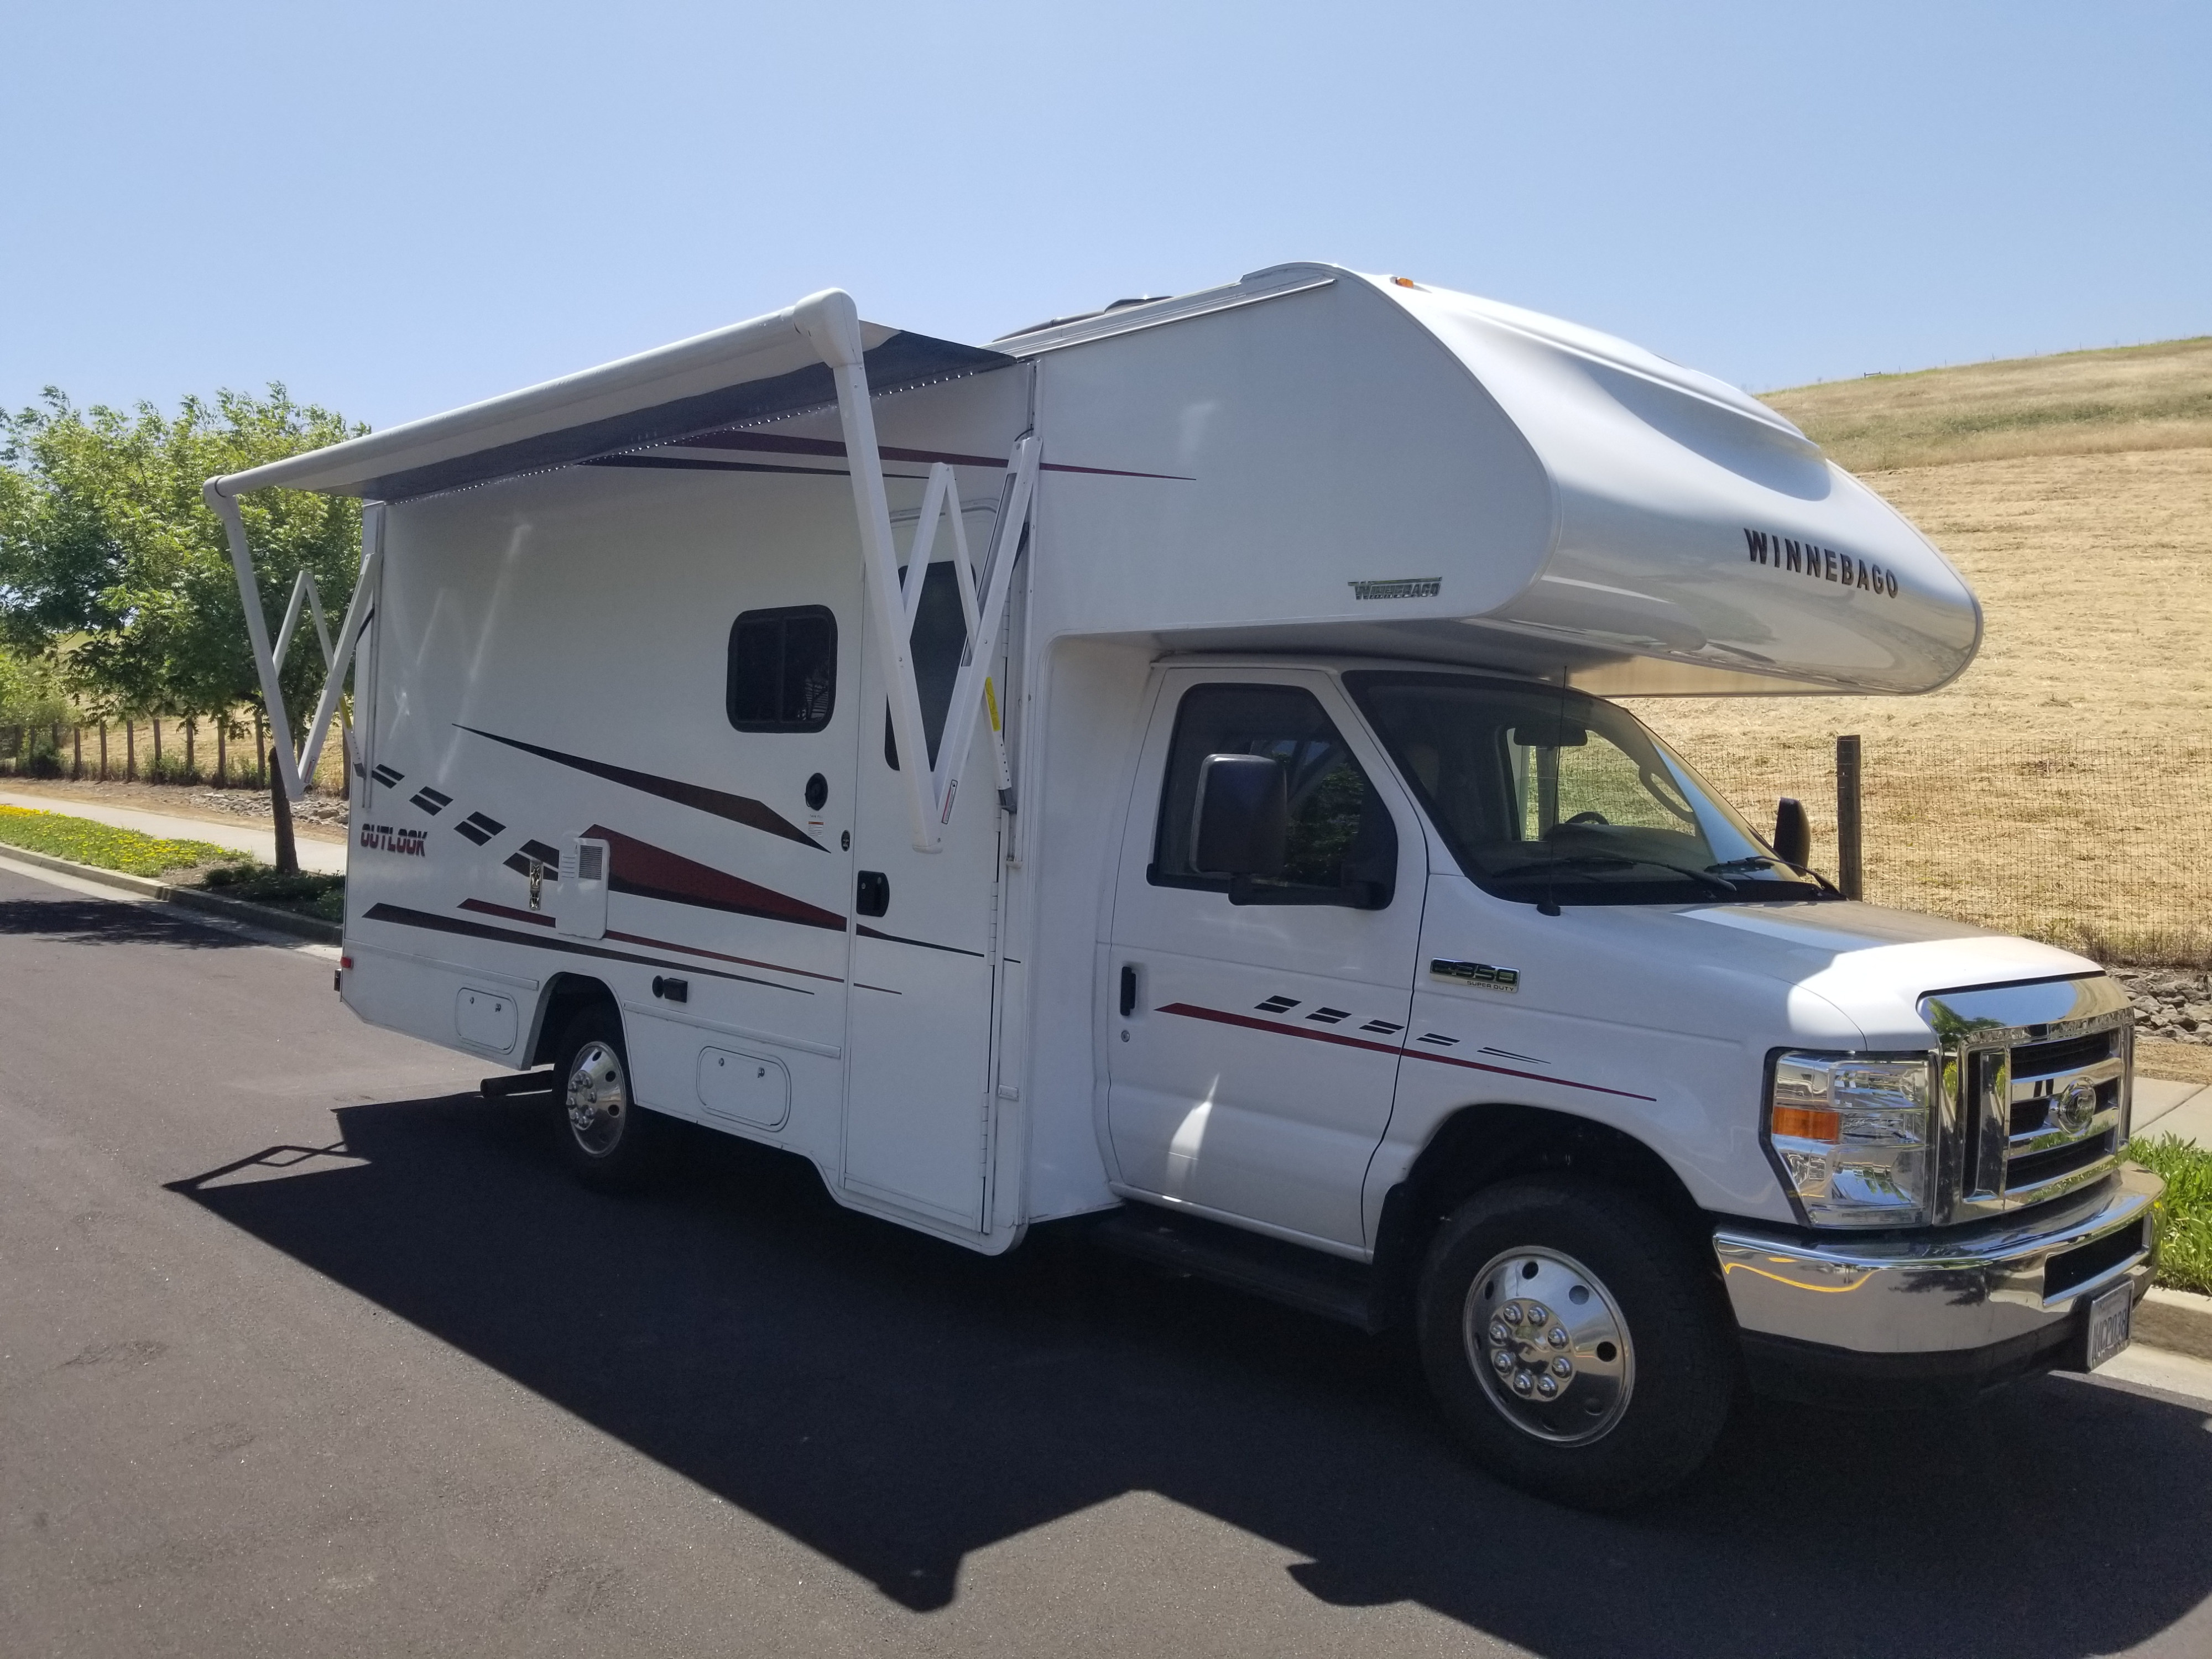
2110 1317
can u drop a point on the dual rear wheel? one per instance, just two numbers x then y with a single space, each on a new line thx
607 1139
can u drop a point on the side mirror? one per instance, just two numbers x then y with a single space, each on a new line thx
1243 823
1793 832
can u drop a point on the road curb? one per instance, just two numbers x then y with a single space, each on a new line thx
2180 1322
188 898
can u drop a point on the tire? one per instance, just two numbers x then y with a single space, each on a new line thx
1619 1361
607 1139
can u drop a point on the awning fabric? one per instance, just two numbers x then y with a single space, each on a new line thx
750 371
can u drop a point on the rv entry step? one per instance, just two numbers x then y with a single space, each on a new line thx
1296 1277
517 1083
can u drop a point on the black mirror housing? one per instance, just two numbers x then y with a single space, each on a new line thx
1793 832
1242 827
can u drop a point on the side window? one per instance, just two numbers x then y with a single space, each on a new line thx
1343 849
783 669
941 635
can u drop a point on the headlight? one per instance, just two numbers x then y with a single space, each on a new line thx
1853 1138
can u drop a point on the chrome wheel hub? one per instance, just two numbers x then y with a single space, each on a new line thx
598 1098
1550 1345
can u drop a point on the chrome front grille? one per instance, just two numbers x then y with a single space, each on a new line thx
2034 1090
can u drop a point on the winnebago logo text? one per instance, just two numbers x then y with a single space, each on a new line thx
1402 587
383 838
1822 564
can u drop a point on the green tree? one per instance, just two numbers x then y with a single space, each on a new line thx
30 693
113 568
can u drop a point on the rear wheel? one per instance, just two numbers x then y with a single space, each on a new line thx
1575 1342
609 1141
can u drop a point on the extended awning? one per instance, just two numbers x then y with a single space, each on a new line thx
815 355
748 372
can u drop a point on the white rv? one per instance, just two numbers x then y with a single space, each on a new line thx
1159 764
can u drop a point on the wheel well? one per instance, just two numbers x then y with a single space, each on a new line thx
1479 1146
565 996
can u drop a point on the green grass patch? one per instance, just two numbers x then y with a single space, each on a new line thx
2184 1217
307 894
105 847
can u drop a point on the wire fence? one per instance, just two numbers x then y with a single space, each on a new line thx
2104 847
226 755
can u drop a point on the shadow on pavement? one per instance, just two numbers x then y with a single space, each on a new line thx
104 922
896 1403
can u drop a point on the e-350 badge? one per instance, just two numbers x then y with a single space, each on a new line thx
1478 974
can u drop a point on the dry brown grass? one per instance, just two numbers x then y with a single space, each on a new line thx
2182 1062
2063 786
2127 399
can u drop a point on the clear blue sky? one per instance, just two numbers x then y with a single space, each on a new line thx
397 208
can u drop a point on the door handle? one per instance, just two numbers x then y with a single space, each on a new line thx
1128 989
872 893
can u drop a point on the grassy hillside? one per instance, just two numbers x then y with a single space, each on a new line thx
2063 784
2127 399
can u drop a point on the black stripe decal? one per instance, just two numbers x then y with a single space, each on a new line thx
897 938
738 809
400 915
549 859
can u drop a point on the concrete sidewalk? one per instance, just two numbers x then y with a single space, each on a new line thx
2173 1109
326 856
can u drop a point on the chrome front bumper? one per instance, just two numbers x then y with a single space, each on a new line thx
1943 1292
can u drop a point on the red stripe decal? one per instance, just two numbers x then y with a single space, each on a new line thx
1191 1011
639 867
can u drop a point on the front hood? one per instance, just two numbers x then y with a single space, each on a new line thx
1872 964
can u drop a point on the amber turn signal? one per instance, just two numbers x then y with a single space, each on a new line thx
1807 1123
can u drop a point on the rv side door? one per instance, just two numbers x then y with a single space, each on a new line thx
1252 1072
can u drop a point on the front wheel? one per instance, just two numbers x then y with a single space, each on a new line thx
607 1139
1575 1342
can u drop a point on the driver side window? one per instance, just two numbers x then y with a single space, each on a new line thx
1342 847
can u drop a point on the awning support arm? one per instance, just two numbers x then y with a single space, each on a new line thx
972 692
831 323
292 769
349 633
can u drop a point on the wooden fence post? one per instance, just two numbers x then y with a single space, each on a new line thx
76 751
1850 865
103 751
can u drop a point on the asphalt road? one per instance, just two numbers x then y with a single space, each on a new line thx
305 1350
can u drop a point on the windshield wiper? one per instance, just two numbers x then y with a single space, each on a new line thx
1617 861
1757 861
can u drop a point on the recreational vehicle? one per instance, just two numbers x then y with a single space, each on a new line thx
1159 767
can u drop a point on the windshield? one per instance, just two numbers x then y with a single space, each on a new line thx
1550 795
